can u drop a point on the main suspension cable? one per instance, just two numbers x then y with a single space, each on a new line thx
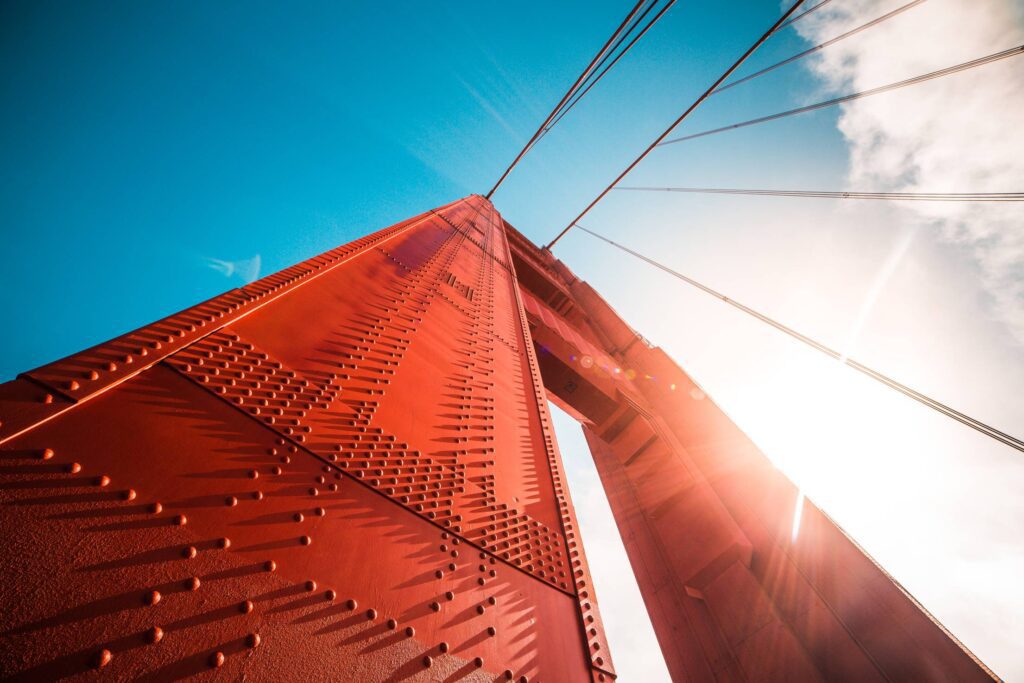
821 46
847 194
568 94
1004 54
696 103
978 425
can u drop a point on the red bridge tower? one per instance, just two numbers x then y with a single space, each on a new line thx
347 471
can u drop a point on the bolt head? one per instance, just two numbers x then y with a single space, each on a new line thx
103 658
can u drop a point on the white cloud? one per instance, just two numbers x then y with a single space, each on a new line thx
959 133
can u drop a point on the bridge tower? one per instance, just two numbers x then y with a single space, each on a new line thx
347 471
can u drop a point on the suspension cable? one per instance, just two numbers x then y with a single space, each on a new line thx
568 94
821 46
847 194
607 68
987 430
1012 52
803 14
696 103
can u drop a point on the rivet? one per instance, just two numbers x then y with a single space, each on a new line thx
409 631
330 595
231 501
155 634
258 495
371 614
449 595
351 604
270 565
392 624
189 552
46 453
427 661
156 508
181 520
217 660
253 640
311 585
254 474
298 517
74 468
478 662
153 597
305 540
129 494
245 607
321 512
224 543
436 606
442 646
193 583
491 631
103 658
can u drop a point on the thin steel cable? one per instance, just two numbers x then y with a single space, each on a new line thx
565 98
589 81
623 35
1004 54
619 56
822 46
978 425
846 194
803 14
696 103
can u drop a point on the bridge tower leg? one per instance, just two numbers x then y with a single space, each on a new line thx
343 471
706 519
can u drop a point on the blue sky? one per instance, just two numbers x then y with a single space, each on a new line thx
144 146
138 140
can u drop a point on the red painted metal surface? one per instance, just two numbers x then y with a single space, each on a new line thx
347 471
343 471
706 519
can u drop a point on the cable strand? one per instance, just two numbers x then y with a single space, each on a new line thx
821 46
847 194
973 423
607 68
988 59
696 103
568 94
